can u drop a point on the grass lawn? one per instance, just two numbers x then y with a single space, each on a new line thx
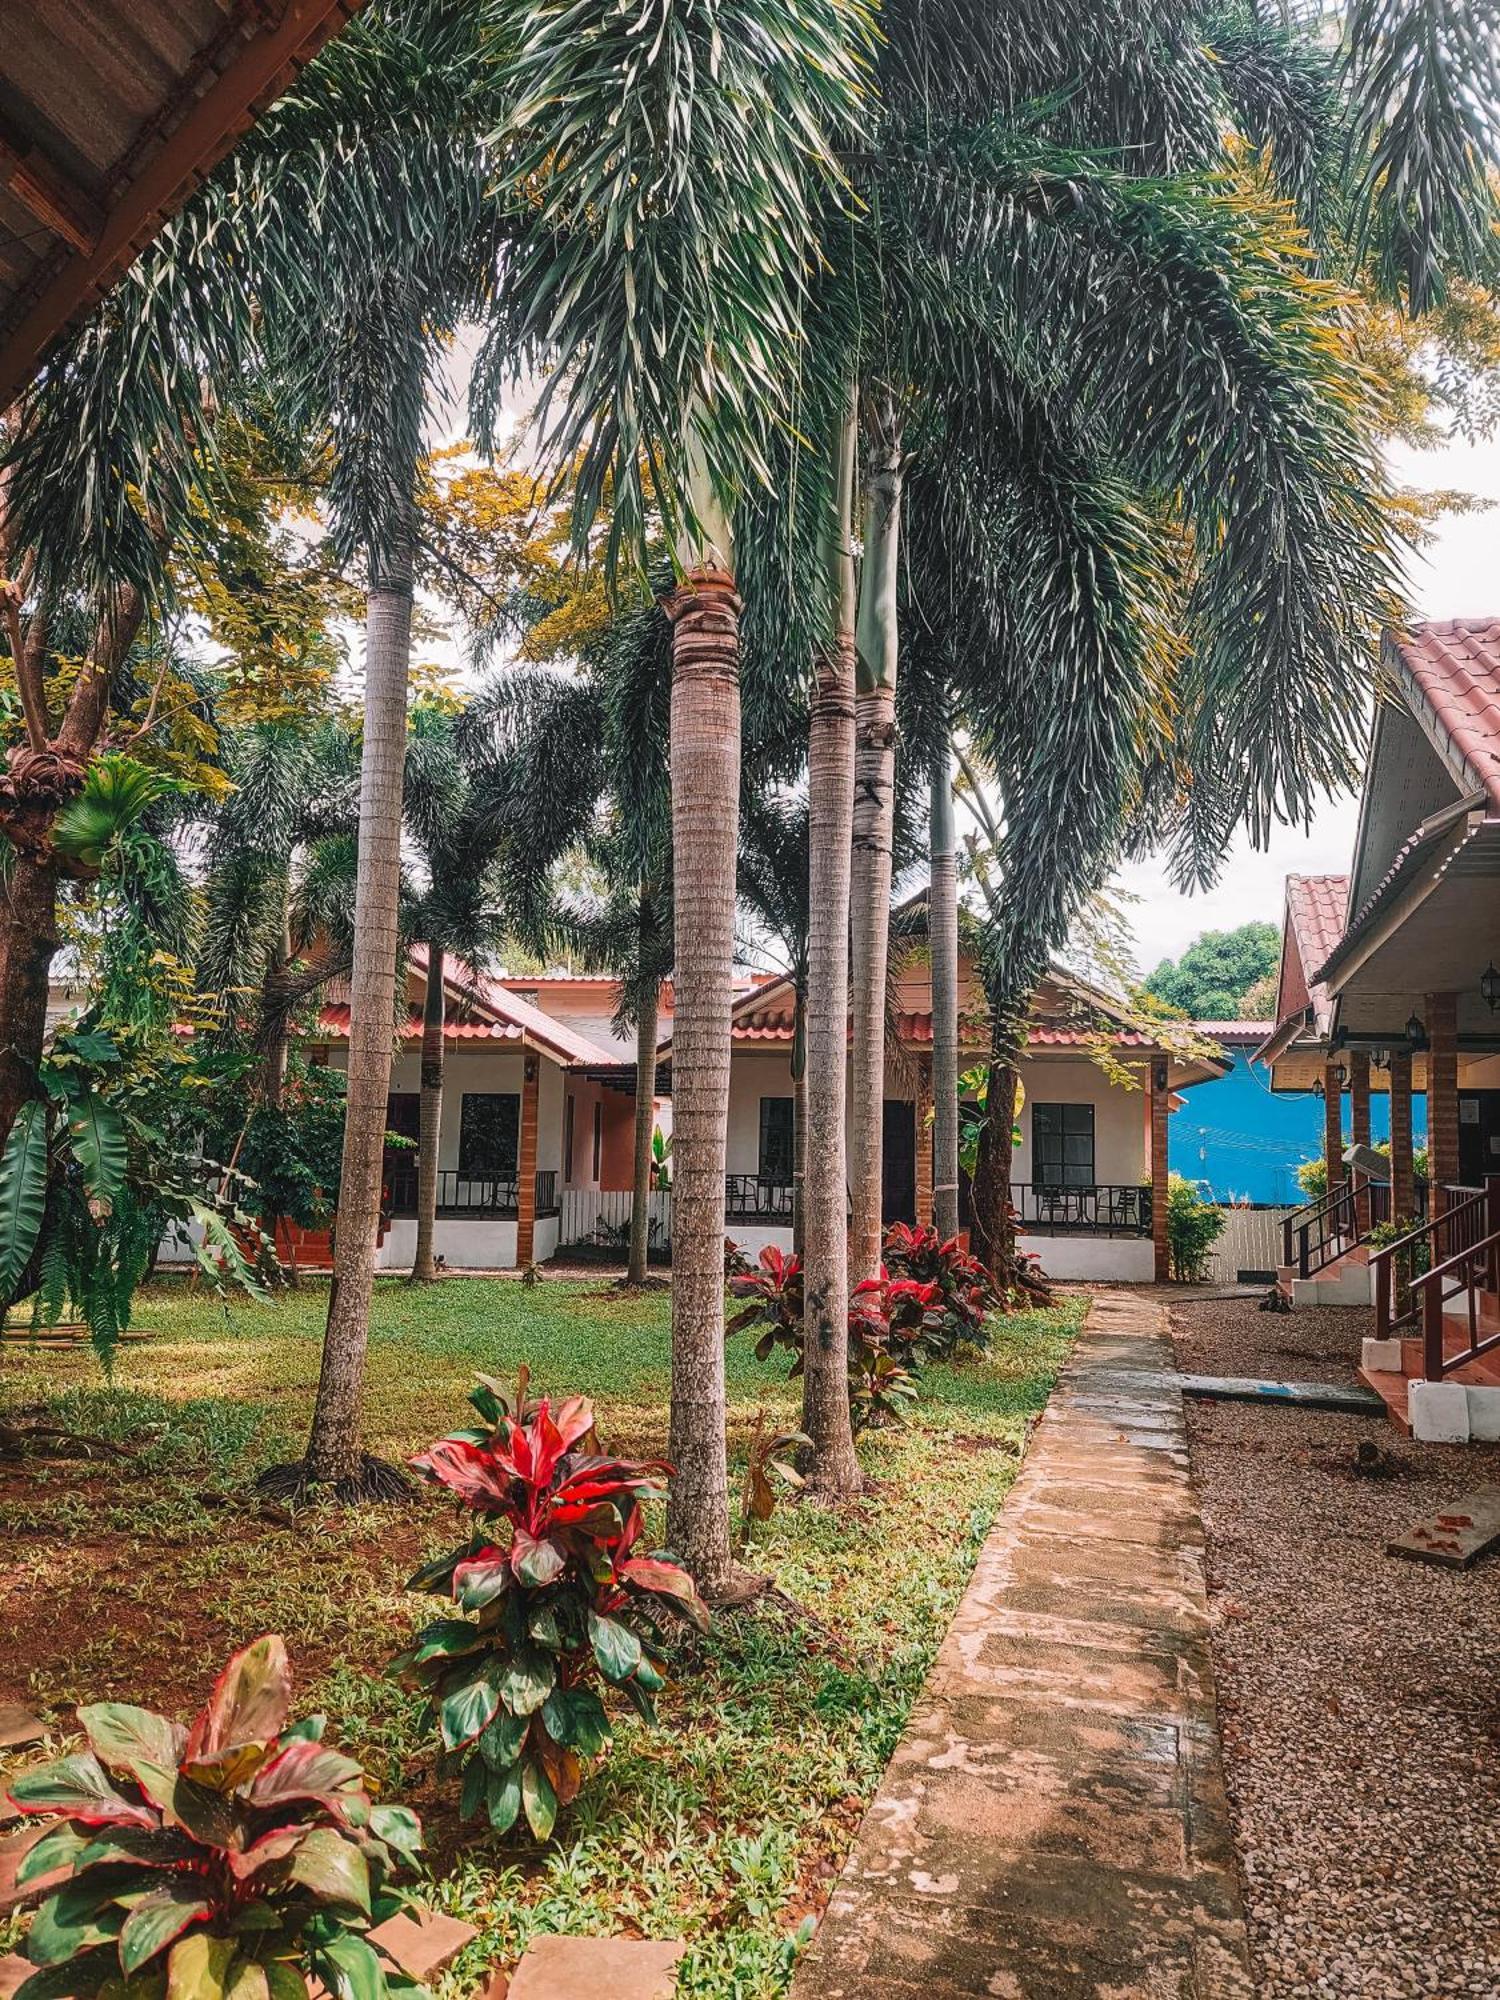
134 1577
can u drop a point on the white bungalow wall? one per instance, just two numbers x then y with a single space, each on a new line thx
486 1067
1120 1151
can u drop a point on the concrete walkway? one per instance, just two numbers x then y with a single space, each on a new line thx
1053 1824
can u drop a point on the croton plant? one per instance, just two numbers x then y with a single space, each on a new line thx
235 1859
558 1601
885 1320
964 1295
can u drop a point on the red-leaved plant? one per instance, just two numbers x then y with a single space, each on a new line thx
232 1860
884 1327
963 1286
558 1601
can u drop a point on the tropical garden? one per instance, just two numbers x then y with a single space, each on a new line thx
895 442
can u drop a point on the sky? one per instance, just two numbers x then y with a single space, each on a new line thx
1456 576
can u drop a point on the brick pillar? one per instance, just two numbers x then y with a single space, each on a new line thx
923 1112
1442 1092
1403 1182
526 1163
1333 1124
1161 1106
1359 1126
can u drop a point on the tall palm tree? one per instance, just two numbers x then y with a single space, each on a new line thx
942 940
455 912
675 178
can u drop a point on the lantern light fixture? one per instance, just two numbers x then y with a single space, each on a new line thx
1489 987
1416 1033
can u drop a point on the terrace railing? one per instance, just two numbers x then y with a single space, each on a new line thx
757 1198
471 1197
1472 1267
1102 1209
1313 1235
1400 1265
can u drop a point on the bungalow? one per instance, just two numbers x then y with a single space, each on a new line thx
525 1116
1394 987
1090 1170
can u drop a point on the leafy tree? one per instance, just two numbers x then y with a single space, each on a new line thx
1217 970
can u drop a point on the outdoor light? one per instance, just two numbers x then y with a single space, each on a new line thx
1416 1034
1317 1086
1489 986
1340 1073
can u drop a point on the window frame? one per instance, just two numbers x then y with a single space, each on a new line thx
1058 1171
468 1168
787 1140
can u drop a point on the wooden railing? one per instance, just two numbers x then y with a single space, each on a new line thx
1468 1270
1315 1234
1398 1265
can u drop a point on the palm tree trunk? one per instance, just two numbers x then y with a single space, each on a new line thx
646 1018
334 1454
799 1128
942 927
834 1469
874 802
705 763
994 1227
429 1117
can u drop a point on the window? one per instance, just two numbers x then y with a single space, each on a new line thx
568 1141
776 1140
489 1130
598 1137
1062 1145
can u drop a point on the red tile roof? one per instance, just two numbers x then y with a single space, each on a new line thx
488 1014
774 1020
1235 1031
1315 910
1455 665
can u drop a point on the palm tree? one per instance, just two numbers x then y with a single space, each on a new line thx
674 180
278 877
456 913
942 932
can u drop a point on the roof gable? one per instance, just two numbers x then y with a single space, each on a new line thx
1448 671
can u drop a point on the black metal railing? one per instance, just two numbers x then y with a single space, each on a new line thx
1119 1209
757 1198
471 1197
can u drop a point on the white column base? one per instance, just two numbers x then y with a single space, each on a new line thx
1380 1357
1439 1412
1484 1415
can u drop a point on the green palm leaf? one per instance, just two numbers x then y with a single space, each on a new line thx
23 1193
98 1135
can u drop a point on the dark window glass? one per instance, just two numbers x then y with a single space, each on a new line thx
568 1140
1062 1145
489 1130
403 1113
776 1139
598 1137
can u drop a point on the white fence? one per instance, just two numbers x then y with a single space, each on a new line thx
1251 1242
602 1219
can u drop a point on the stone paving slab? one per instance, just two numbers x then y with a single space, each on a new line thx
1053 1823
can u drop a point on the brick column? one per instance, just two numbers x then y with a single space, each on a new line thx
1161 1107
1403 1180
1442 1092
1359 1126
1333 1124
526 1163
923 1114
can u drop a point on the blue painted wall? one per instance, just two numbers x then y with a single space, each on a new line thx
1239 1143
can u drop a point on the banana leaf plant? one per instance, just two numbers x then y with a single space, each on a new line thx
240 1858
98 1167
558 1602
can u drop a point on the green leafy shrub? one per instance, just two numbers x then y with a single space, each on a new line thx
964 1292
886 1330
557 1601
1312 1175
1193 1227
232 1860
1415 1260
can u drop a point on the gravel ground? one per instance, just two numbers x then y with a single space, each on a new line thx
1359 1695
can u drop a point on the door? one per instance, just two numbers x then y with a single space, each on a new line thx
398 1169
898 1184
1478 1135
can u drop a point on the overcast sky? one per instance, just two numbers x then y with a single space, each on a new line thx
1457 576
